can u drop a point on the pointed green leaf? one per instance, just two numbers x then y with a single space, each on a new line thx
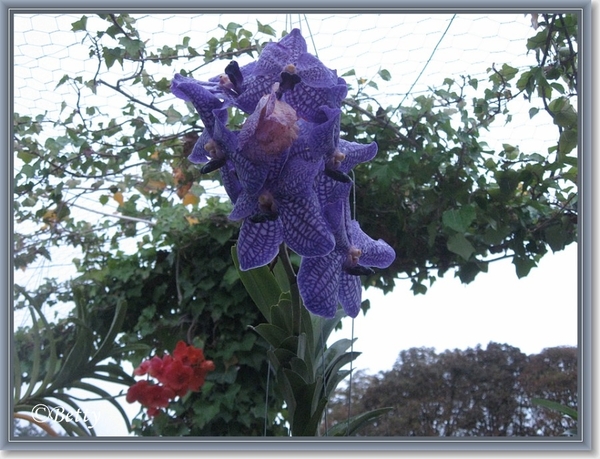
523 266
385 75
79 25
458 244
566 410
272 334
459 219
106 396
115 328
352 425
37 355
261 286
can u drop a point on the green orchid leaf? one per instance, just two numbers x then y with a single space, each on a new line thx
353 424
301 415
290 343
335 366
323 328
106 396
17 381
109 340
284 357
273 334
313 424
333 382
261 286
281 315
36 358
299 366
568 411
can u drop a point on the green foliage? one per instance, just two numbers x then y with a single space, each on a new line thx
442 197
306 370
51 359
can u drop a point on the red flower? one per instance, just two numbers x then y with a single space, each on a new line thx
189 355
149 394
176 375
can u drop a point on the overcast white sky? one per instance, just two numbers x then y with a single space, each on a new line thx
531 313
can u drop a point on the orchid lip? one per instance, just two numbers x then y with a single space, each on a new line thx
359 270
338 176
213 165
235 76
263 217
288 82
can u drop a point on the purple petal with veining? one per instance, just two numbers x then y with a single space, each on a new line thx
318 283
378 254
245 205
231 182
307 100
356 153
314 73
258 243
295 43
350 294
199 155
304 228
203 100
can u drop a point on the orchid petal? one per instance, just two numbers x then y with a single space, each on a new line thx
318 283
305 230
350 294
258 243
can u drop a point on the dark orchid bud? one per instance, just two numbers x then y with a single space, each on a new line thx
358 270
213 165
235 76
338 176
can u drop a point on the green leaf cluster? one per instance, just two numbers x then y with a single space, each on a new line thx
307 371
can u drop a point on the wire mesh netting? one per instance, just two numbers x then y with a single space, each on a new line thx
419 51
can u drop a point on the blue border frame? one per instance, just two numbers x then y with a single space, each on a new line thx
583 443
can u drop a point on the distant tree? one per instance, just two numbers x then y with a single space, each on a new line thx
552 375
472 393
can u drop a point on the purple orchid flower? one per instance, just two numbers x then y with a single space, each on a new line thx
286 210
287 170
282 62
334 278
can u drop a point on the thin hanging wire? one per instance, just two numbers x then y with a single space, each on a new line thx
350 382
289 24
324 381
267 396
423 69
352 334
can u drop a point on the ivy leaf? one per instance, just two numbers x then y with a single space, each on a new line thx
385 75
567 141
79 25
459 245
563 113
459 219
266 29
523 266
